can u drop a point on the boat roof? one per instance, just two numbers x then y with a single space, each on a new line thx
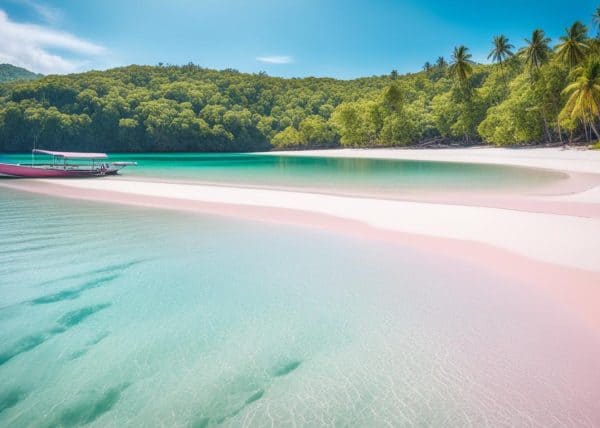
72 155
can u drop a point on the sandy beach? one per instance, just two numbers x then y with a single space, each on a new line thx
556 158
551 238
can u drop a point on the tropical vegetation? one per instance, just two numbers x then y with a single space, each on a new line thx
532 92
10 73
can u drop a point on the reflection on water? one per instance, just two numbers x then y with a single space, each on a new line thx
113 316
356 176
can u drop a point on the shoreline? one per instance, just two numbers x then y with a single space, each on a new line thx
548 237
551 240
549 158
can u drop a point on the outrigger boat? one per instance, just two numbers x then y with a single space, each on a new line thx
88 165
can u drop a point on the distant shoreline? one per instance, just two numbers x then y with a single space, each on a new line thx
581 160
587 147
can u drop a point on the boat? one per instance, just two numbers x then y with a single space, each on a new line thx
113 167
64 165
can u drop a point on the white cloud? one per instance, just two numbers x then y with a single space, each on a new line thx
49 14
30 46
275 59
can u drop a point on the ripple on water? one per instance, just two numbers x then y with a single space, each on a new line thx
287 368
73 318
112 268
90 407
65 322
10 398
76 292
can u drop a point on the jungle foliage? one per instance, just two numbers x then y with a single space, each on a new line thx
541 93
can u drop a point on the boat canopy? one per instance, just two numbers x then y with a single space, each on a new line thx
72 155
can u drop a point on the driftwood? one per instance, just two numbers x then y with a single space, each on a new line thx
443 142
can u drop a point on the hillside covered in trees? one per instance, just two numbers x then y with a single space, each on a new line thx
10 73
540 92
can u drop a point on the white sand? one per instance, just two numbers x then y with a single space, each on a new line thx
560 239
587 161
552 158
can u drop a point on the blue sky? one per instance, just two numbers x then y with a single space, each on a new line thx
336 38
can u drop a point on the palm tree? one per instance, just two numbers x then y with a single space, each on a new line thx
584 95
596 18
536 53
427 67
502 50
461 67
594 46
537 50
441 63
573 46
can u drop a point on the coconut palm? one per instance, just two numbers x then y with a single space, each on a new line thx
502 50
441 62
596 18
594 46
537 50
584 95
573 46
461 67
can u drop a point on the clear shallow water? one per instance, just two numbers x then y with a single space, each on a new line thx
113 316
356 176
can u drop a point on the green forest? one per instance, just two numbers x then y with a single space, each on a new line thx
10 73
534 91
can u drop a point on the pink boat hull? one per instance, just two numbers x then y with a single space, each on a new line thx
24 171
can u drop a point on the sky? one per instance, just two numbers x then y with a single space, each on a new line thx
291 38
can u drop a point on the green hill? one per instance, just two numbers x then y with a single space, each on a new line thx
10 73
172 108
190 108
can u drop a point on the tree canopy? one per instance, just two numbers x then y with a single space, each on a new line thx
10 73
542 94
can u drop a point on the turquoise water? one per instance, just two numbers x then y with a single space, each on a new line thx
355 176
114 316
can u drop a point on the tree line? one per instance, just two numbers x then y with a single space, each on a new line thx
539 93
